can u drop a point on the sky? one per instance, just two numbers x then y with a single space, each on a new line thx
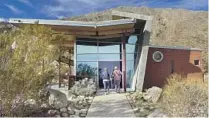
55 9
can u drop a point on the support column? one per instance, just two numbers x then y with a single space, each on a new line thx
69 73
59 71
124 62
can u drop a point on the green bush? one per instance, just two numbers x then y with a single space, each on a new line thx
185 97
25 65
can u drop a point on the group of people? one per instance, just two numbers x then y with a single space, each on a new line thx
115 78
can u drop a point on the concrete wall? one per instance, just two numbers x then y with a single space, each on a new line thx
183 63
139 75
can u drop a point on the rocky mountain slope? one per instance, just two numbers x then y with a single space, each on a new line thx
171 27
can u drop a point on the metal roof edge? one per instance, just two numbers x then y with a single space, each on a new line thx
70 23
175 47
50 22
116 22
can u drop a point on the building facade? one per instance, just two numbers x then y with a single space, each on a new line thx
121 42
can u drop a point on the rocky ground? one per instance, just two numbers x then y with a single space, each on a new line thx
70 103
77 107
76 103
144 103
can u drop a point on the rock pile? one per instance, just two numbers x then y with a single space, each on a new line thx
77 107
76 103
144 103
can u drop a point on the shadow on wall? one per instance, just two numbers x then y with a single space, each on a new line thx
184 62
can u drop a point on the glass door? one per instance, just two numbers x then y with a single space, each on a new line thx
110 66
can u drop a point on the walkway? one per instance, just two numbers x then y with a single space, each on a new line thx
111 105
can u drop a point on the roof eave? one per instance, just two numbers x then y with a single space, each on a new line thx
71 23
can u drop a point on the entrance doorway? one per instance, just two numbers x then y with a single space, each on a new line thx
110 66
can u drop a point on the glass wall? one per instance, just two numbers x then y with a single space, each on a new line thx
86 69
91 52
131 51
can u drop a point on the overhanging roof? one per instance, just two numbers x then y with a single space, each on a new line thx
71 23
101 28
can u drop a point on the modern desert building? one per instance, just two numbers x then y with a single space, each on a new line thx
122 42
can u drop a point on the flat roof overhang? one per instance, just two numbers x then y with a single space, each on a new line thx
82 29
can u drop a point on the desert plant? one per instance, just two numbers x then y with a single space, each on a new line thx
25 65
185 97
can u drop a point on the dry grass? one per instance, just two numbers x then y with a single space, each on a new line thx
185 97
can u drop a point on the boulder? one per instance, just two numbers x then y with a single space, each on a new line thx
136 109
72 116
82 114
77 112
71 112
69 108
64 114
30 102
44 105
57 115
84 111
152 94
142 109
57 99
63 110
52 112
70 96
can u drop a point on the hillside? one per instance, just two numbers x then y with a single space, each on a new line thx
171 27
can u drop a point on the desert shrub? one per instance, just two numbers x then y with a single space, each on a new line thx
25 66
185 97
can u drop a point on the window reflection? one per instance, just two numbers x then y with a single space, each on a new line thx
130 48
129 73
87 57
86 69
86 47
132 39
109 57
130 57
109 48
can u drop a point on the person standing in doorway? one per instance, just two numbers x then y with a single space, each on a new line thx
106 80
117 78
112 80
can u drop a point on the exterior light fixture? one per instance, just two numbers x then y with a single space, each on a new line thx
157 56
